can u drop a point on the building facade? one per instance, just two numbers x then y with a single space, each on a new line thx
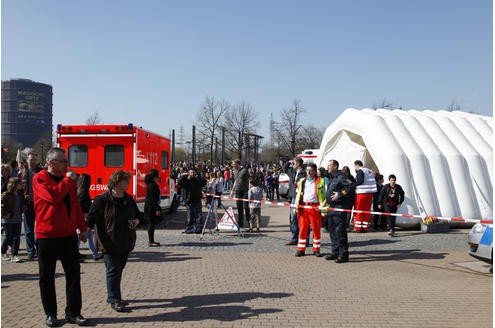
26 111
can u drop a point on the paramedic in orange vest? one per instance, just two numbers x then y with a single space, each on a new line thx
310 195
365 188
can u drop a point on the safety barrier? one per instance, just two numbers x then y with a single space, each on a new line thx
285 204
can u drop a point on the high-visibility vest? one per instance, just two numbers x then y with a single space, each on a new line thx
319 190
369 183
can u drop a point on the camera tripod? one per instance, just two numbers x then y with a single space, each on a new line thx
212 215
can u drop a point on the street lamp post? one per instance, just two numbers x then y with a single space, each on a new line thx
188 143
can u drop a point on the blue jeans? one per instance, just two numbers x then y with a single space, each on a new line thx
194 217
390 218
294 227
12 236
114 265
91 243
29 229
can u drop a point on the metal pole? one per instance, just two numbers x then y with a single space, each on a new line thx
223 144
216 150
173 146
194 144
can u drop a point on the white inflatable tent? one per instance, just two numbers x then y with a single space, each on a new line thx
443 160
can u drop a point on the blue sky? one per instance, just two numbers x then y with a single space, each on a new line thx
153 62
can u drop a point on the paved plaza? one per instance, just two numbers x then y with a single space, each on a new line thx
413 280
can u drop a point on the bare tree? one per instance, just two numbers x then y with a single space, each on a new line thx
41 147
290 128
383 104
311 137
454 105
209 118
94 119
9 150
240 120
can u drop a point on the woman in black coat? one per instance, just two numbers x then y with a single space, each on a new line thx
152 210
114 215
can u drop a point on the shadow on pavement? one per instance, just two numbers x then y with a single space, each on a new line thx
159 257
207 244
25 276
394 255
372 242
197 308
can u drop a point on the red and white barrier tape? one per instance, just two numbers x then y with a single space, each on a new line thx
285 204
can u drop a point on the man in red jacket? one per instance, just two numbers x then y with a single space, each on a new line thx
58 217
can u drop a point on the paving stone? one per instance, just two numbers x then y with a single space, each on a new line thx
226 281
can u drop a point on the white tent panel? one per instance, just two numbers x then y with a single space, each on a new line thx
420 175
347 149
479 177
481 146
456 167
447 202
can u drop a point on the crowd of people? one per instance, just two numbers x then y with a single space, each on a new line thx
232 178
310 189
66 215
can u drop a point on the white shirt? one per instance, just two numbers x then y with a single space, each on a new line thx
309 195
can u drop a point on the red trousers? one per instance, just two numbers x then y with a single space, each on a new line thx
305 217
361 220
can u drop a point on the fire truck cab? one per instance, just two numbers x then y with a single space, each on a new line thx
99 150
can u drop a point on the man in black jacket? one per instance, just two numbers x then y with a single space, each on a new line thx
193 185
390 199
240 189
340 186
295 174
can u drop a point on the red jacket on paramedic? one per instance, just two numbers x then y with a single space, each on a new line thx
52 217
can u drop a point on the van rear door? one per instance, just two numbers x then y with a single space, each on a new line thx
99 156
113 153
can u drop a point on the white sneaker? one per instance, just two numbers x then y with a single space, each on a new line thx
16 259
5 257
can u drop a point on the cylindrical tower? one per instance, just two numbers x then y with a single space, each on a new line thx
26 111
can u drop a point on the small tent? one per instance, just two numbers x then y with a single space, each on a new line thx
443 160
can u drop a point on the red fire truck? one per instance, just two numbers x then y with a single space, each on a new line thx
99 150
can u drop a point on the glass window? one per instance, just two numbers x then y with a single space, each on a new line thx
114 155
7 128
78 156
164 160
